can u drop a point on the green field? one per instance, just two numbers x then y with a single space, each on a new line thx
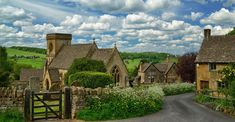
36 63
132 60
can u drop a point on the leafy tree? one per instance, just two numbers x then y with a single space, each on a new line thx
232 32
186 67
5 68
228 78
85 64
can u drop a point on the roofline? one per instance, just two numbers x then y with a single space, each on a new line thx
154 66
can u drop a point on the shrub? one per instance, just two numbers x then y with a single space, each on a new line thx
91 79
123 103
11 115
84 64
178 88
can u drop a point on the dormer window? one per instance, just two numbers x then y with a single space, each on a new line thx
212 66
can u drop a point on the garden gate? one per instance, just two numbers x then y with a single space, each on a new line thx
47 105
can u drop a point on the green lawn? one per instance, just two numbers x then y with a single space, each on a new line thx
131 64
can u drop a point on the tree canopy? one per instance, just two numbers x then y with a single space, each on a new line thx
186 67
85 64
232 32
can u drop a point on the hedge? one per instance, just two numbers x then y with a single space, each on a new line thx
85 64
89 79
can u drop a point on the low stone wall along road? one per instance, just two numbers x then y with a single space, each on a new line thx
179 108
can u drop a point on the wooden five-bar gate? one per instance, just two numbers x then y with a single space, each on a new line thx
51 102
47 105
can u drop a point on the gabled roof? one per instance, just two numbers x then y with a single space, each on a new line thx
217 49
162 67
26 74
103 54
67 54
54 75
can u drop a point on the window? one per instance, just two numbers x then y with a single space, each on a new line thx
204 84
222 85
212 66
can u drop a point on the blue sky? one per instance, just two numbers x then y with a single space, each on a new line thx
173 26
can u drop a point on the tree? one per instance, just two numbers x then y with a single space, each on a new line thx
85 64
186 67
5 68
232 32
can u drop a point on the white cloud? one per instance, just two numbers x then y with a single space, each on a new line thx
221 17
111 6
168 15
194 16
218 30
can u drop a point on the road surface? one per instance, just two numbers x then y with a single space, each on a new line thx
178 108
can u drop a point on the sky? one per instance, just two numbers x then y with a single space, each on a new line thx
171 26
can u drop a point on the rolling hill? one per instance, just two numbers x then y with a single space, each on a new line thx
26 55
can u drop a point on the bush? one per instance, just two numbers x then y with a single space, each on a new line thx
91 79
123 103
11 115
84 64
178 88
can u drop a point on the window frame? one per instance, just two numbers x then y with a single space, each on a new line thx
212 66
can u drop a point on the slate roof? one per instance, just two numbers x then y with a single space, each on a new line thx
26 74
102 55
54 75
217 49
67 54
162 67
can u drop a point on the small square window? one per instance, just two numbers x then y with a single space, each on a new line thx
212 66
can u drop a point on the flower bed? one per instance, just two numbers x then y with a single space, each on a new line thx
177 88
123 103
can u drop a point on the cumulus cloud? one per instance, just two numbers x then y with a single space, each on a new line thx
168 15
221 17
111 6
194 16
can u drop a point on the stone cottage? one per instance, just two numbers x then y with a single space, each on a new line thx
61 54
216 52
160 73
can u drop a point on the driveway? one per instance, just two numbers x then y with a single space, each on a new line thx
182 108
179 108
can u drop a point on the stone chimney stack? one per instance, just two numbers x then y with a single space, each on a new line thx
207 33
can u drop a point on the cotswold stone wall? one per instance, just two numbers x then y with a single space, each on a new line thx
79 95
10 97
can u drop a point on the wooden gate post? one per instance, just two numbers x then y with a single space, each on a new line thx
67 103
27 105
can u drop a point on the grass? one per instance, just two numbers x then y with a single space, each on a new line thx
37 63
11 115
131 64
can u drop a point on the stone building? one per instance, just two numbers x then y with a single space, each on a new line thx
216 52
160 73
26 75
61 54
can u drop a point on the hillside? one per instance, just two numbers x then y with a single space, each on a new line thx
25 57
36 57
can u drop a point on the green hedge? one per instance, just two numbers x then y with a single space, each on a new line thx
178 88
91 79
84 64
11 115
123 103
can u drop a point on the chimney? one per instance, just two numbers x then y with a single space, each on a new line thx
207 33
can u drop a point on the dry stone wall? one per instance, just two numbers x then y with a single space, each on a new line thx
11 97
79 95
